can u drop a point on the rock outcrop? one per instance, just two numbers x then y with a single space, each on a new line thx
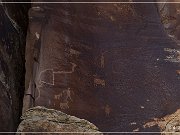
170 14
111 64
12 69
41 119
168 125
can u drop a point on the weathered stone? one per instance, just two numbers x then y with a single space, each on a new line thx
12 69
168 125
111 64
41 119
170 15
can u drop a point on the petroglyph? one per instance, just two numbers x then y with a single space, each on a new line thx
37 35
136 130
74 52
64 105
102 57
98 81
107 110
174 55
68 94
102 60
67 72
49 80
65 97
133 123
57 97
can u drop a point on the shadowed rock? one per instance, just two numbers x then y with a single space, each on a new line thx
12 69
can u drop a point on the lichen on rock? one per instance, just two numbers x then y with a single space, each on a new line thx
41 119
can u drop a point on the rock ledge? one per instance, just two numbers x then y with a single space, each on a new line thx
41 119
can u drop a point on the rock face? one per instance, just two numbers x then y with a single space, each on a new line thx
111 64
173 123
40 119
169 124
12 69
170 14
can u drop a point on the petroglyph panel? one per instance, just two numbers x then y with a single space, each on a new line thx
96 66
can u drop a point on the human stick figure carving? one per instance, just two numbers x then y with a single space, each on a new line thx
67 94
107 110
64 97
102 60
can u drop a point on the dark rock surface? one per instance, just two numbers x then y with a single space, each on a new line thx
40 119
111 64
12 69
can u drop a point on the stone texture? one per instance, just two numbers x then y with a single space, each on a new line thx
12 69
41 119
170 14
169 125
111 64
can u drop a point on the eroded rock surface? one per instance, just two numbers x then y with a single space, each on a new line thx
12 69
41 119
170 13
170 124
111 64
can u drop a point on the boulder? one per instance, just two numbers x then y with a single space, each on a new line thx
41 119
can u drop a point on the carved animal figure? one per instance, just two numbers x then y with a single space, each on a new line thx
74 52
57 97
64 105
98 81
